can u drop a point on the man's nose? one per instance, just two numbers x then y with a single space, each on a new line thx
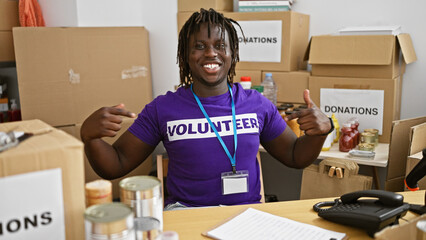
210 51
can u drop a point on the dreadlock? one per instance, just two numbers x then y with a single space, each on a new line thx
192 25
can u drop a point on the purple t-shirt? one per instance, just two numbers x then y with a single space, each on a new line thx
196 157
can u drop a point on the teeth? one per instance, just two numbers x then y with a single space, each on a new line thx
211 66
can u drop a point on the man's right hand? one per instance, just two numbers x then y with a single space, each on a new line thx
104 122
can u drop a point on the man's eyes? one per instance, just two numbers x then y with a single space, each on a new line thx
219 46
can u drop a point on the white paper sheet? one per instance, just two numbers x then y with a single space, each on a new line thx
255 224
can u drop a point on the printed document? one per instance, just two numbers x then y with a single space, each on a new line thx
255 224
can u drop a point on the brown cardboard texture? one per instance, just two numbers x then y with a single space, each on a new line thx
295 38
64 74
7 53
9 15
398 152
290 85
195 5
256 76
392 95
368 56
91 175
54 149
412 161
400 231
417 138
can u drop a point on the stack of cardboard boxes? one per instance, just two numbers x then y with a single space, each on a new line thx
368 66
65 74
275 42
8 20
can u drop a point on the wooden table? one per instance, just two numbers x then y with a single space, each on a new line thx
190 223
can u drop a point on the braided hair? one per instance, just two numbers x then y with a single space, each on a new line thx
192 25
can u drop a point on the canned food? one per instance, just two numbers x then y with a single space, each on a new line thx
109 221
366 146
376 134
143 195
368 137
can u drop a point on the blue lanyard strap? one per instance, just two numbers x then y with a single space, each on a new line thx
234 124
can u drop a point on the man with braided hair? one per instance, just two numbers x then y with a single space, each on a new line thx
211 127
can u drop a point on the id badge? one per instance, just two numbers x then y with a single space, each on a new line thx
235 182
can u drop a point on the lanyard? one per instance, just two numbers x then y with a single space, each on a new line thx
234 124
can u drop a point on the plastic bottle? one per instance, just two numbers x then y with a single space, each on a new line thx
14 114
346 141
270 88
245 82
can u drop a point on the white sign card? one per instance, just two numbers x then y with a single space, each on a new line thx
263 41
365 105
31 206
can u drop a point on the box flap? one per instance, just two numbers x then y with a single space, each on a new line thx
417 138
399 147
407 48
352 50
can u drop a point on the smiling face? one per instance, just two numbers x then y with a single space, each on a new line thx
209 58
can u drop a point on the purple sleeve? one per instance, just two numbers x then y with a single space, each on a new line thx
274 124
146 126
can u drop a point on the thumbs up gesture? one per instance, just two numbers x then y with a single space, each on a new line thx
311 120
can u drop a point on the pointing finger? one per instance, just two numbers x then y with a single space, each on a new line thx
121 110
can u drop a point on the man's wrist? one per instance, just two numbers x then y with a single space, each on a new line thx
331 129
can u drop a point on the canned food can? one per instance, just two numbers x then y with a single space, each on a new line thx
368 137
376 134
109 221
366 146
143 195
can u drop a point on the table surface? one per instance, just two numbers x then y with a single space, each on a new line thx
380 160
190 223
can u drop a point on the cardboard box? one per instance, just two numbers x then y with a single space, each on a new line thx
417 138
54 149
9 15
65 74
276 41
256 76
290 85
398 152
401 231
195 5
91 175
7 53
417 144
391 103
412 161
97 13
367 56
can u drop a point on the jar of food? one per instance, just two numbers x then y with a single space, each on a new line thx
366 146
346 140
368 137
376 134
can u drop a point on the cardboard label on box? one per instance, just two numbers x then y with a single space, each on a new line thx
31 206
364 105
262 42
